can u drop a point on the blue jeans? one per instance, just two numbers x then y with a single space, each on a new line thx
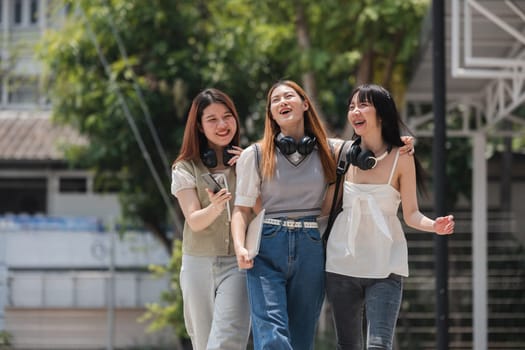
286 288
379 297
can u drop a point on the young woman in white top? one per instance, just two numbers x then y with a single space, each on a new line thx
367 254
289 171
216 311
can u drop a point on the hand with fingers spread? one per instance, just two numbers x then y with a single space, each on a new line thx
409 145
236 151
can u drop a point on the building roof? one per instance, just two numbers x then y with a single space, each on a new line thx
484 54
486 45
32 136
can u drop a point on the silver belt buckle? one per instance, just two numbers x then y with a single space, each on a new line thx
292 224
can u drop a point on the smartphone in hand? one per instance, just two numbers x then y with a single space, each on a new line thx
213 185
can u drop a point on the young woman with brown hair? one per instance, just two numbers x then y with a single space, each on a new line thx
216 311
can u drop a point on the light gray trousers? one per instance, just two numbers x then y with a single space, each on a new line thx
216 309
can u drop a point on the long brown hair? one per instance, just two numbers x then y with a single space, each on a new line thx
194 140
312 127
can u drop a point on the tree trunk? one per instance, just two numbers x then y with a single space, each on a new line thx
159 234
365 74
303 39
391 62
365 71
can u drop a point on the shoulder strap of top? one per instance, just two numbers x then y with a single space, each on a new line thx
393 167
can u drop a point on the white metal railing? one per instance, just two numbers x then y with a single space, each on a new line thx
476 66
476 27
83 289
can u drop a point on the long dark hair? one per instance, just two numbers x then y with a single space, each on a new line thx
194 139
391 123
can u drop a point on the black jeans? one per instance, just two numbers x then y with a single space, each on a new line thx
380 298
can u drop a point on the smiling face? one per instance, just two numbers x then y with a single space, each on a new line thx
287 107
362 116
218 125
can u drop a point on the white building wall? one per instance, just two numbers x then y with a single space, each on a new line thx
58 288
104 206
82 289
79 250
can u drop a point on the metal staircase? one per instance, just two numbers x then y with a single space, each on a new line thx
506 288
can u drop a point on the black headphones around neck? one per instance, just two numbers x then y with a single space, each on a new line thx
365 160
287 144
209 158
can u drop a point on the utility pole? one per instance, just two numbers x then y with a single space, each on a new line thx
439 173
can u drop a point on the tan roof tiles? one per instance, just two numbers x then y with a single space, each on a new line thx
31 135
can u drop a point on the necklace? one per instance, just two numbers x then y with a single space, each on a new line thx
381 157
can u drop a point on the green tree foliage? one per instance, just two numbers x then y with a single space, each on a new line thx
333 45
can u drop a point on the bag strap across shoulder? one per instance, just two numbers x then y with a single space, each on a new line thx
343 162
257 159
343 158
